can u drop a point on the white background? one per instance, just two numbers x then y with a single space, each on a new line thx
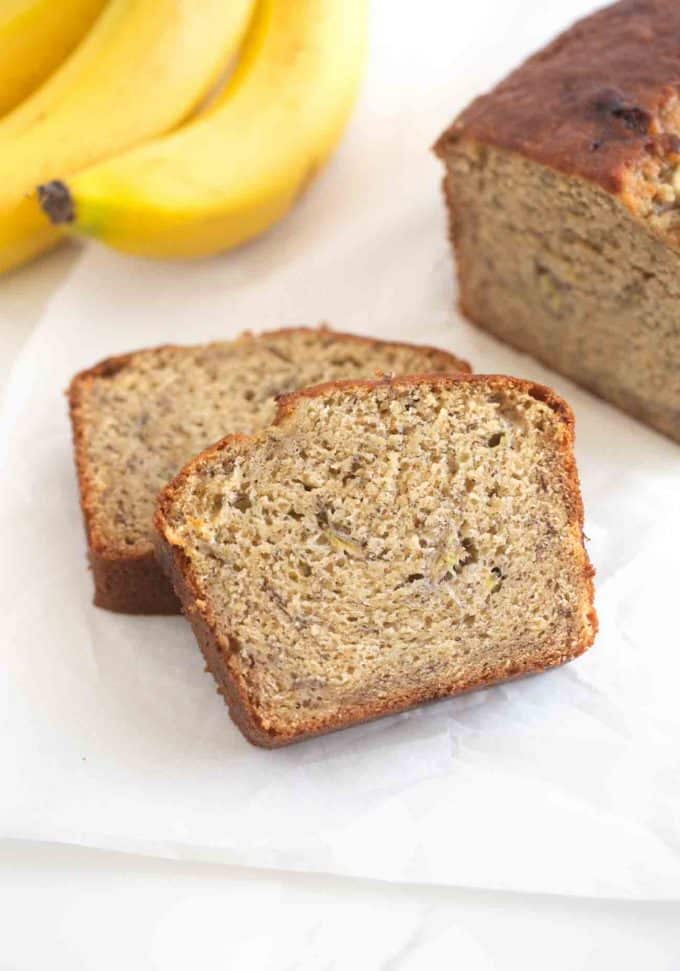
76 908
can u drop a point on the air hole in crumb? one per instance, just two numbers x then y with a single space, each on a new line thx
292 514
242 502
412 577
496 439
470 483
249 395
345 362
350 475
322 517
470 548
216 504
277 353
305 485
514 416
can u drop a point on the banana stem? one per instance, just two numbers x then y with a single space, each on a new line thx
56 202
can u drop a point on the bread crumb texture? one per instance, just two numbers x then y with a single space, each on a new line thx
140 418
563 189
386 544
560 269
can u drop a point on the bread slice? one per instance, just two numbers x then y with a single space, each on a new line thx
138 418
563 189
383 544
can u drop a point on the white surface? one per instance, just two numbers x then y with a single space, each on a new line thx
78 910
590 744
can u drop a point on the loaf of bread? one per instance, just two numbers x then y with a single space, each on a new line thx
385 543
563 188
138 418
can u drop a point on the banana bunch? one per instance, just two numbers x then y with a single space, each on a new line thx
35 37
123 142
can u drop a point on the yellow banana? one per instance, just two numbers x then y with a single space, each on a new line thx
36 36
67 76
143 68
237 168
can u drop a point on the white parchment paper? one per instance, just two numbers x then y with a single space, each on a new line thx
112 734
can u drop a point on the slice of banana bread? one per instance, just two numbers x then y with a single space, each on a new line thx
563 189
383 544
138 418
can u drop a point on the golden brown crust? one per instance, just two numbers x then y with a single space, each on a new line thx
593 103
132 585
287 402
216 651
130 581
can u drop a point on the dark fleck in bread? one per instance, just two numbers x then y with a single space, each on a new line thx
383 544
138 418
563 189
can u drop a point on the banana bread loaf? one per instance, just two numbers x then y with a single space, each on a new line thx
138 418
563 189
383 544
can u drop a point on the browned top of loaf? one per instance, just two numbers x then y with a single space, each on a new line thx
601 99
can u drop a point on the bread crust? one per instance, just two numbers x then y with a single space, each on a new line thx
600 106
593 103
130 580
216 650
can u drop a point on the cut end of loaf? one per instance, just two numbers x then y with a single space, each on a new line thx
385 544
559 268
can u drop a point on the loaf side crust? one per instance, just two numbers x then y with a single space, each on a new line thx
216 651
130 580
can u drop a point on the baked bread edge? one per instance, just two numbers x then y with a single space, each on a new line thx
215 648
